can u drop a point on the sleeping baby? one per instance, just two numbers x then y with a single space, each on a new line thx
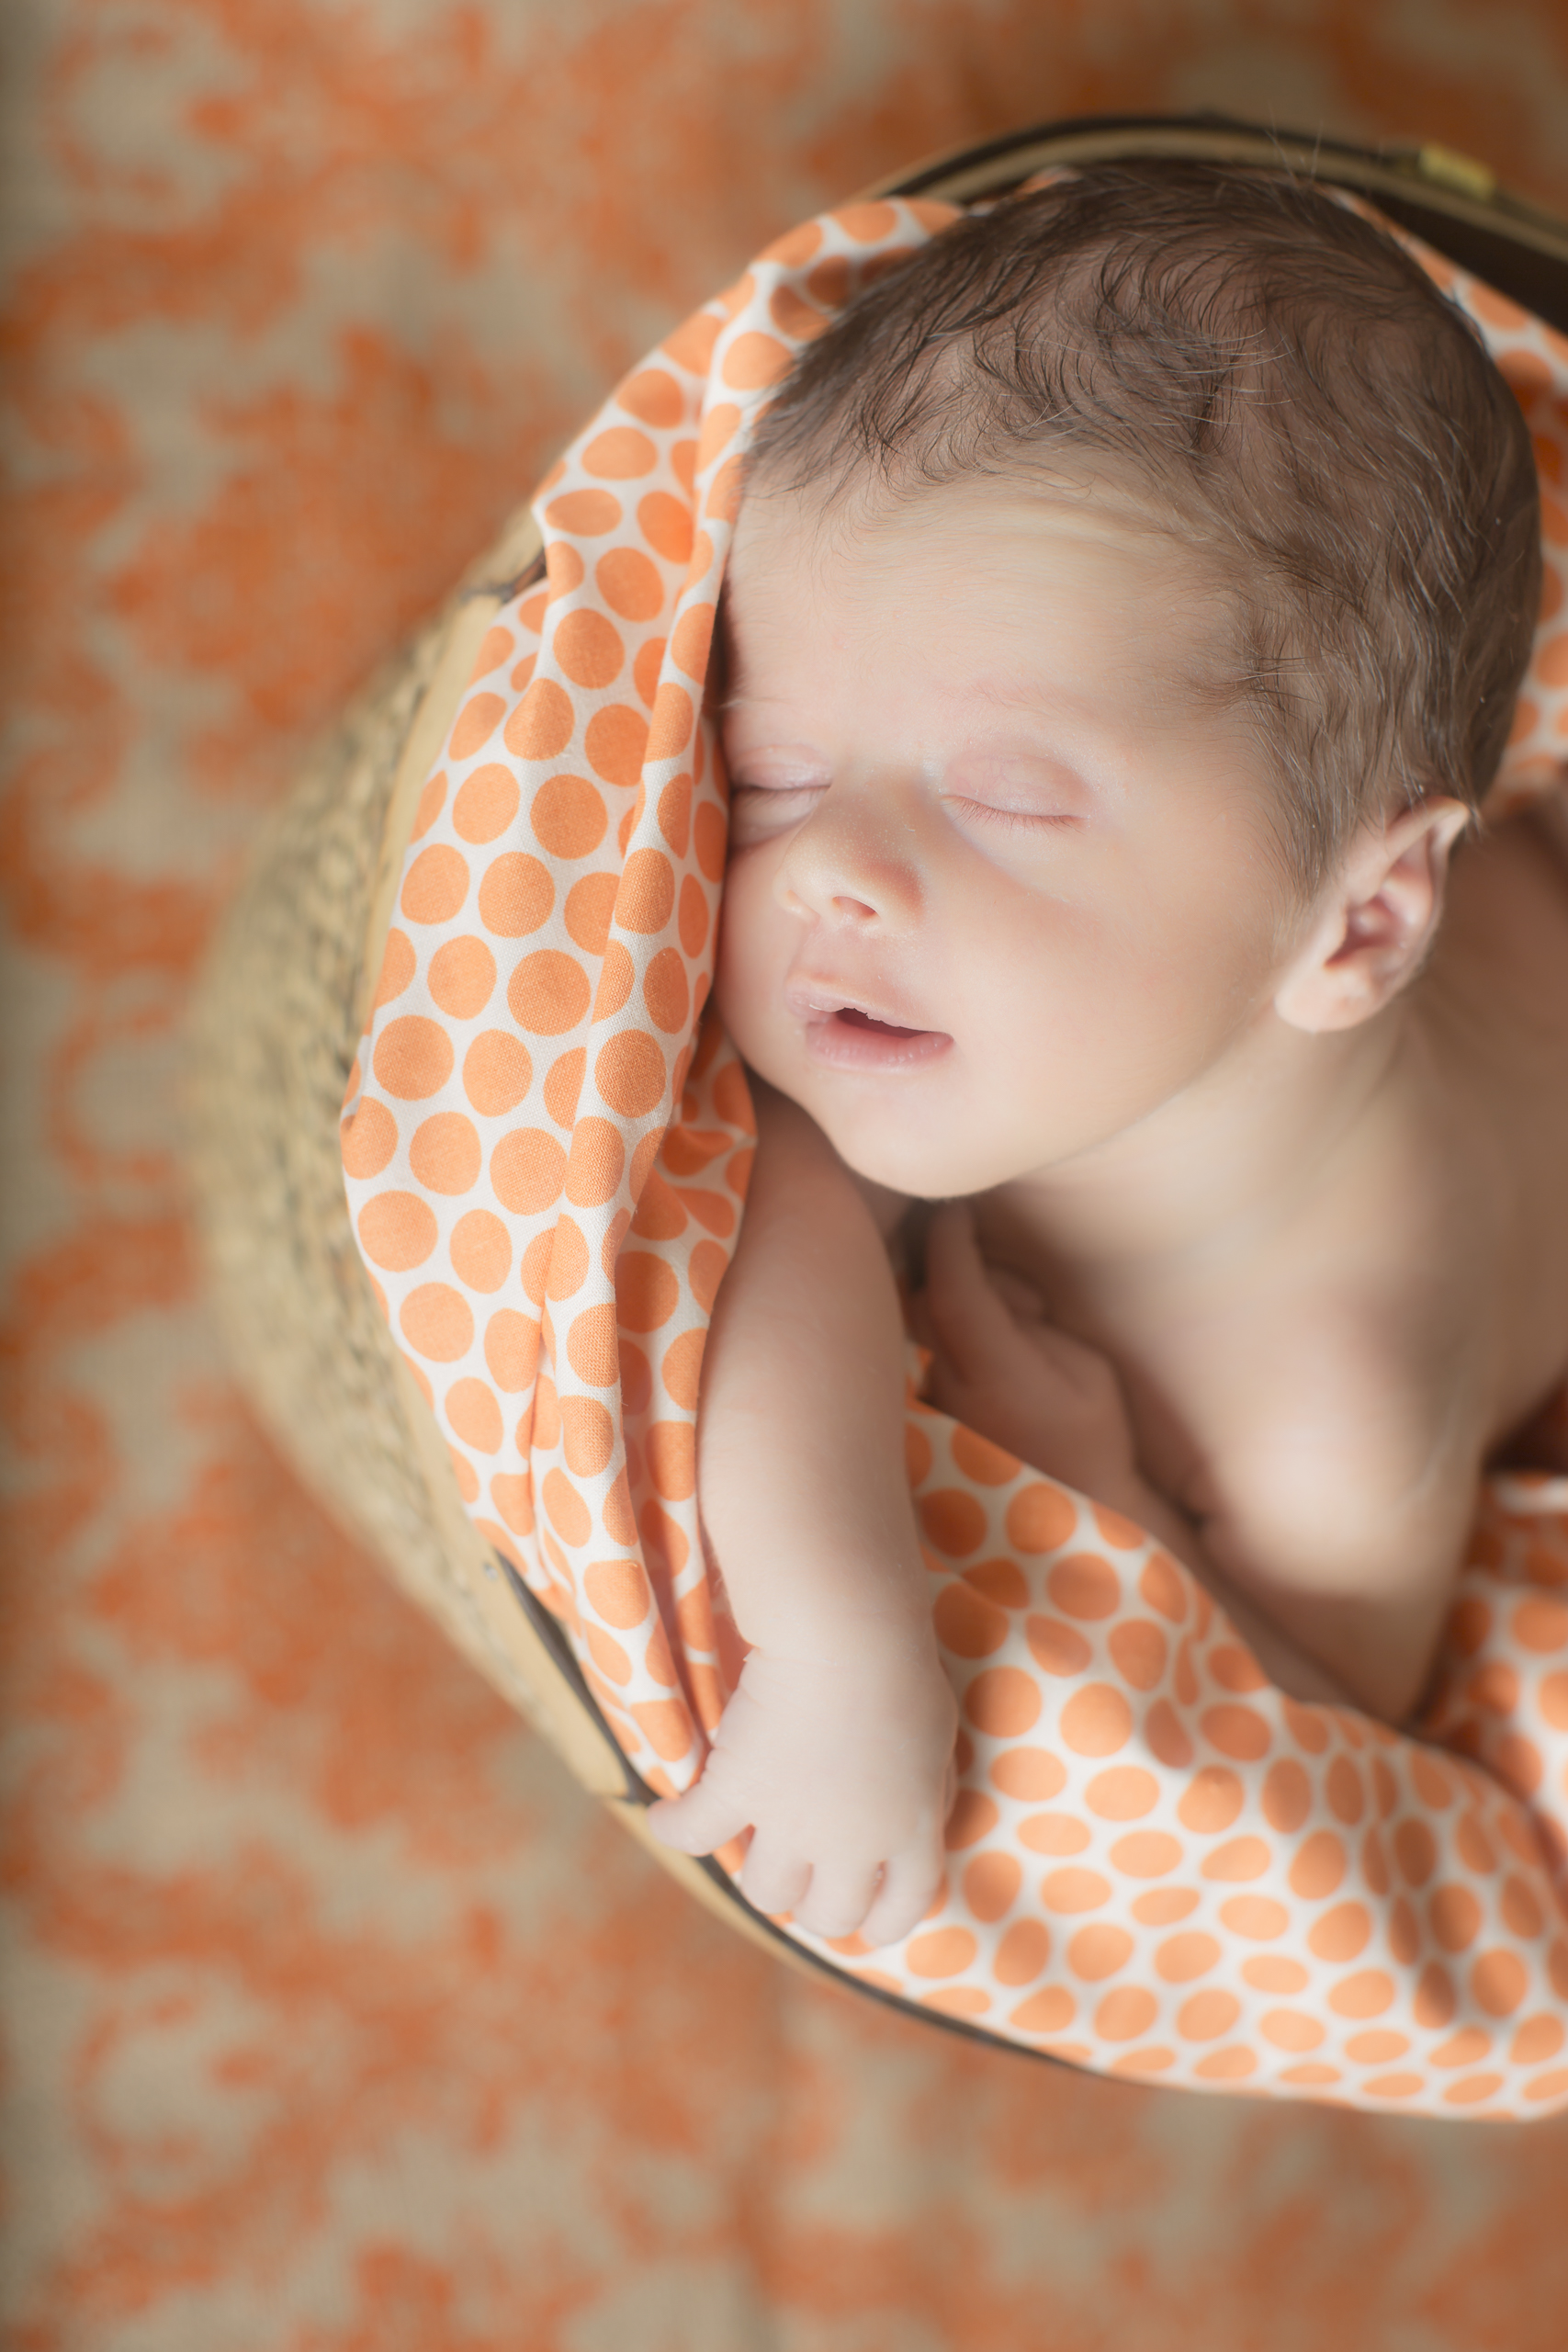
1122 627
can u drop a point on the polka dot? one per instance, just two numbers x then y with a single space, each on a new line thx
1272 1973
1058 1648
569 817
1084 1586
548 993
1160 1585
589 906
1097 1721
1256 1916
708 839
480 1251
446 1153
630 583
584 513
966 1625
1124 1793
512 1352
432 801
1145 1853
397 1231
1536 2038
718 429
1073 1890
1163 1906
1123 1534
1226 2065
1287 1796
1047 2012
1040 1518
973 1816
1126 2013
867 223
473 1414
1099 1952
541 726
1499 1981
1475 2089
368 1140
1242 1858
1236 1730
669 728
1028 1774
990 1886
664 991
629 1072
462 978
527 1169
754 360
1365 1995
515 895
1180 1958
1540 1625
398 965
587 648
953 1522
1319 1865
689 645
414 1058
619 454
497 1072
499 645
647 892
793 317
1139 1651
437 1322
666 524
648 1290
1053 1833
614 742
475 723
1212 1799
1207 2015
1341 1933
942 1953
486 804
694 916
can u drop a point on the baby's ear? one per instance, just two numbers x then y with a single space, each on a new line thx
1374 921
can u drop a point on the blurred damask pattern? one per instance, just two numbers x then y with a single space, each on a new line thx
338 2020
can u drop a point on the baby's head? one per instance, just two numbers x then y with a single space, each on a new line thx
1171 508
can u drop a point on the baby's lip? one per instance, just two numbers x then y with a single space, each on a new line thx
815 1000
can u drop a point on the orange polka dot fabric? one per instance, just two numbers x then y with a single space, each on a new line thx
1160 1866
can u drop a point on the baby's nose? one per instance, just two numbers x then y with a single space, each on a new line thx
849 865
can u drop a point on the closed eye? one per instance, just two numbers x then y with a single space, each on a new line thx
1012 818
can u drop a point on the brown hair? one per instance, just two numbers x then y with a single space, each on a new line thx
1290 386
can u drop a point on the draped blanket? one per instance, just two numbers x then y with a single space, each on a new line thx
1159 1865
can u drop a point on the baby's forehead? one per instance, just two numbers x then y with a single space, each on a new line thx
1080 558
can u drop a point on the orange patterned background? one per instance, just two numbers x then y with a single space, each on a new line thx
337 2019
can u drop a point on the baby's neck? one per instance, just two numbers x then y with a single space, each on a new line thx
1218 1174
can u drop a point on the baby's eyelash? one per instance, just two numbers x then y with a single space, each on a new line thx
1010 817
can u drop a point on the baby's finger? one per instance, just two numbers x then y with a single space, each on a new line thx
838 1899
969 1318
700 1822
908 1889
773 1879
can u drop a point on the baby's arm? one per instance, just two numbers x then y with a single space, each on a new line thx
836 1748
1007 1373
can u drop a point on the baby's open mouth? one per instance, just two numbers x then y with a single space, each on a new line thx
845 1037
856 1019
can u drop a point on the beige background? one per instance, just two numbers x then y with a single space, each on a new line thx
336 2018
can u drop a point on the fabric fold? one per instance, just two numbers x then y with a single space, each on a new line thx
1160 1866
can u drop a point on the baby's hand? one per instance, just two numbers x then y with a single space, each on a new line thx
1005 1372
842 1764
